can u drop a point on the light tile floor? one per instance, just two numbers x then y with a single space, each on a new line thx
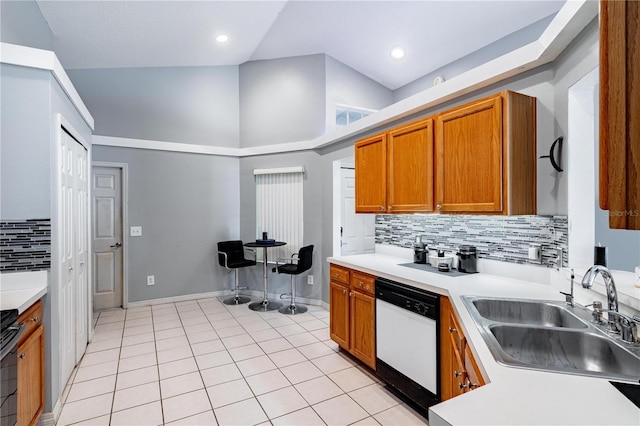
205 363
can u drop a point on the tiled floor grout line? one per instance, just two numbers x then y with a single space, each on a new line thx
206 311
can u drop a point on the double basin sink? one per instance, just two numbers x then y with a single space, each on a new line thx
551 336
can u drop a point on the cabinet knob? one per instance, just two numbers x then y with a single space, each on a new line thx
471 385
21 356
462 385
389 208
456 373
35 319
439 206
350 293
344 291
382 208
360 283
451 330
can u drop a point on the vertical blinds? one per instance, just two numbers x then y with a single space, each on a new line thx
279 209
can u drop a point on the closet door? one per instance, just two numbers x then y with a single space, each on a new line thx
67 262
73 294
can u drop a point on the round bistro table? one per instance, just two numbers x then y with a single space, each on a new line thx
265 304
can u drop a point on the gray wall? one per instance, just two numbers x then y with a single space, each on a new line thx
196 105
24 152
349 87
21 22
185 204
282 100
31 102
472 60
314 198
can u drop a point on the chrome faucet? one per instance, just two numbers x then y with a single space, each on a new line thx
612 294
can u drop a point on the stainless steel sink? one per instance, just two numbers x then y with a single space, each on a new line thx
536 313
566 351
550 336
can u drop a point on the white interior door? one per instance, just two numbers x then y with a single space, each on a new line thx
107 237
73 292
357 230
67 272
81 233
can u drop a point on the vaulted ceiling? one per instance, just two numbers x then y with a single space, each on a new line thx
117 34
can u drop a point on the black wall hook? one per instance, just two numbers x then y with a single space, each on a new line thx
552 157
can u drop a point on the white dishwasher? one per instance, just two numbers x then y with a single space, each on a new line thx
407 341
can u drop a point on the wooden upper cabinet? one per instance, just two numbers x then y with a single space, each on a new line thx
486 156
410 172
469 158
619 177
394 170
371 174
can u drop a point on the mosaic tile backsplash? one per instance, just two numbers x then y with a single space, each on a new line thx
505 238
25 245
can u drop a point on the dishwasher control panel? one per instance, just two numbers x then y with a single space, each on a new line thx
419 301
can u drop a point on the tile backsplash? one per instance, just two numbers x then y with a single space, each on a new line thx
505 238
25 245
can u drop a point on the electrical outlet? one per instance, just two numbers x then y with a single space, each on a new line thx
136 231
310 279
151 280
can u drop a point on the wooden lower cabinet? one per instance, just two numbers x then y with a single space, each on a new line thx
459 370
352 313
31 367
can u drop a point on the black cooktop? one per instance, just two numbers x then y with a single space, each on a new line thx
630 390
8 317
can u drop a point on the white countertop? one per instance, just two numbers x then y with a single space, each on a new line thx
512 395
19 290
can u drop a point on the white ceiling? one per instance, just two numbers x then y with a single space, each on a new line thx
113 34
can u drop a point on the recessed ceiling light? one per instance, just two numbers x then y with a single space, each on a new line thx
222 38
397 52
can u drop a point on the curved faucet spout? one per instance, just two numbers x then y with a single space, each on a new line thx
612 294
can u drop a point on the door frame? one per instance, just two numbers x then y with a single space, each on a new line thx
61 124
124 169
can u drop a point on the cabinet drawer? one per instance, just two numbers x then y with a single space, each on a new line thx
339 274
31 318
363 282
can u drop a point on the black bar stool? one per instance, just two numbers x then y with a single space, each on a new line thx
295 265
231 256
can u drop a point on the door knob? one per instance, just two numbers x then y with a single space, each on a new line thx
116 245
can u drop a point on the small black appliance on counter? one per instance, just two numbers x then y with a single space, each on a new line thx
467 259
420 251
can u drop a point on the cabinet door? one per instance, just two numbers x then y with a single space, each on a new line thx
363 328
410 185
474 378
469 152
339 314
31 378
371 174
619 174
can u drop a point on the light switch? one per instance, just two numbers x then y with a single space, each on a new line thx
136 231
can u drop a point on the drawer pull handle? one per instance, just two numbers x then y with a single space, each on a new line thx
35 319
462 385
451 330
360 283
456 373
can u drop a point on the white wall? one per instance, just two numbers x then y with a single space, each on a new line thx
21 22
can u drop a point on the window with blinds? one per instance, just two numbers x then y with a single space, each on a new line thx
279 209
